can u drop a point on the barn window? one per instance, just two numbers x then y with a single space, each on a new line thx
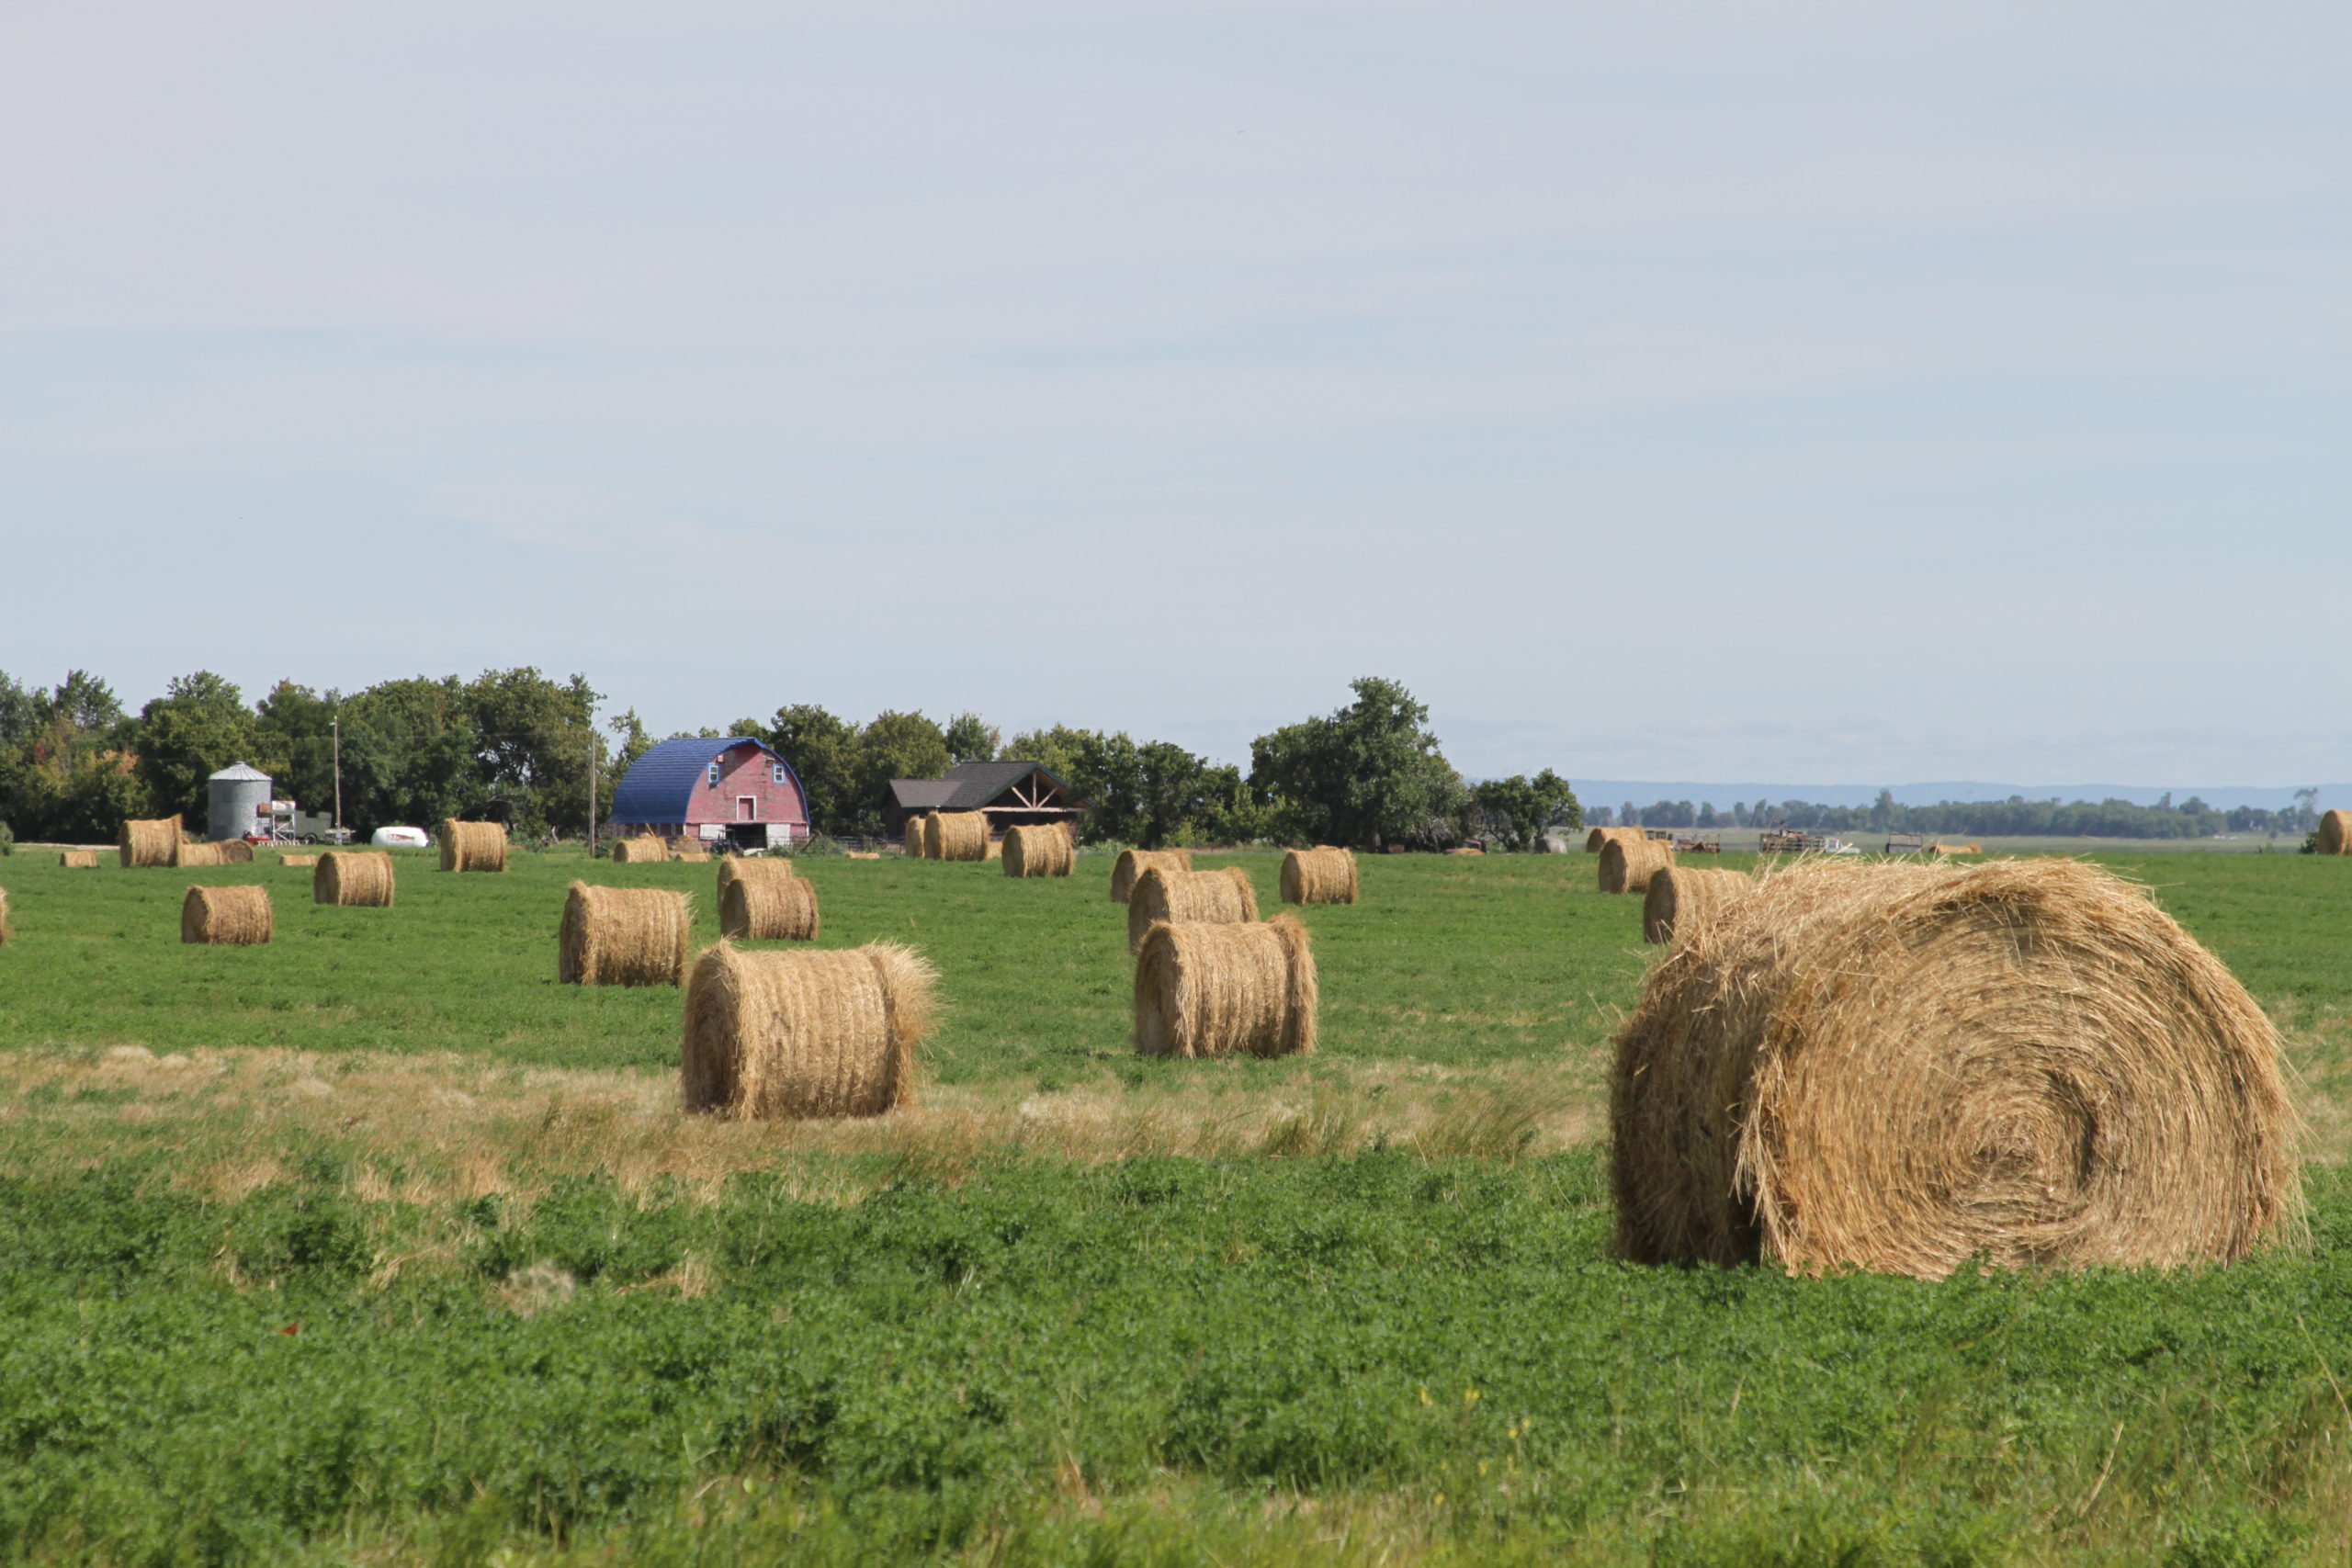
714 773
775 772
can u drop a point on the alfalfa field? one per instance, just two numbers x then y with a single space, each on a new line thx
376 1244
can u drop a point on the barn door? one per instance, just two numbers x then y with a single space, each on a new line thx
747 808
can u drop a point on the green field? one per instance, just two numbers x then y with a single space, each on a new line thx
376 1245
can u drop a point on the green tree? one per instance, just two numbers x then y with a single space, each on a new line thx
294 744
1518 809
822 750
629 730
535 736
409 754
64 772
894 745
971 738
1368 775
200 726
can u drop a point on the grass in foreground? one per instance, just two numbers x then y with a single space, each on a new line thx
1076 1308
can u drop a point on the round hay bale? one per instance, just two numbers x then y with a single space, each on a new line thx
768 908
236 852
1038 852
1599 836
744 868
1955 849
196 855
226 916
2336 833
622 936
1192 898
1681 897
472 846
355 879
78 860
639 851
1903 1067
1627 864
917 844
3 916
1224 990
957 835
150 841
297 860
1133 863
1319 876
688 850
994 849
795 1032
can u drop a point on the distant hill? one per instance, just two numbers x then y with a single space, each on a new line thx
1646 792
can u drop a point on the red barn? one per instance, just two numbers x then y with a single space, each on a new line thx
737 790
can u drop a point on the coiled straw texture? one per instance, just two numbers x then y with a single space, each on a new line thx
353 879
1319 876
226 916
1133 863
472 846
1225 990
2336 833
1627 864
1900 1068
1191 896
795 1032
622 936
918 837
1682 896
1037 851
768 908
1601 835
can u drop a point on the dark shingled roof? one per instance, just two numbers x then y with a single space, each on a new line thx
971 786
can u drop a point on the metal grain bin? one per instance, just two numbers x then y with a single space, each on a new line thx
238 793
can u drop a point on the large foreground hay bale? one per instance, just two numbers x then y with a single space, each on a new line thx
1195 897
792 1032
78 860
2336 833
1038 852
355 879
957 835
1627 864
622 936
1903 1067
150 841
197 854
918 837
472 846
1133 863
1224 990
768 908
1681 897
1319 876
689 850
226 916
643 849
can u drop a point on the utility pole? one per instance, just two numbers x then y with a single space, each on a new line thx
336 725
592 790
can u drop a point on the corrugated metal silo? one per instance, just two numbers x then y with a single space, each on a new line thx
237 791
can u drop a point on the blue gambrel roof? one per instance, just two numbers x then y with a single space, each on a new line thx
658 784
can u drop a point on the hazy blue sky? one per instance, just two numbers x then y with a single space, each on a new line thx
1822 392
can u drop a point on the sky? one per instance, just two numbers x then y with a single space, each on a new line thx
1685 391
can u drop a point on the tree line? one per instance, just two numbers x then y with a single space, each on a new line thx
516 746
2014 818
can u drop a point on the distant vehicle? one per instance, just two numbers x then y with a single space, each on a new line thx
405 838
1839 847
